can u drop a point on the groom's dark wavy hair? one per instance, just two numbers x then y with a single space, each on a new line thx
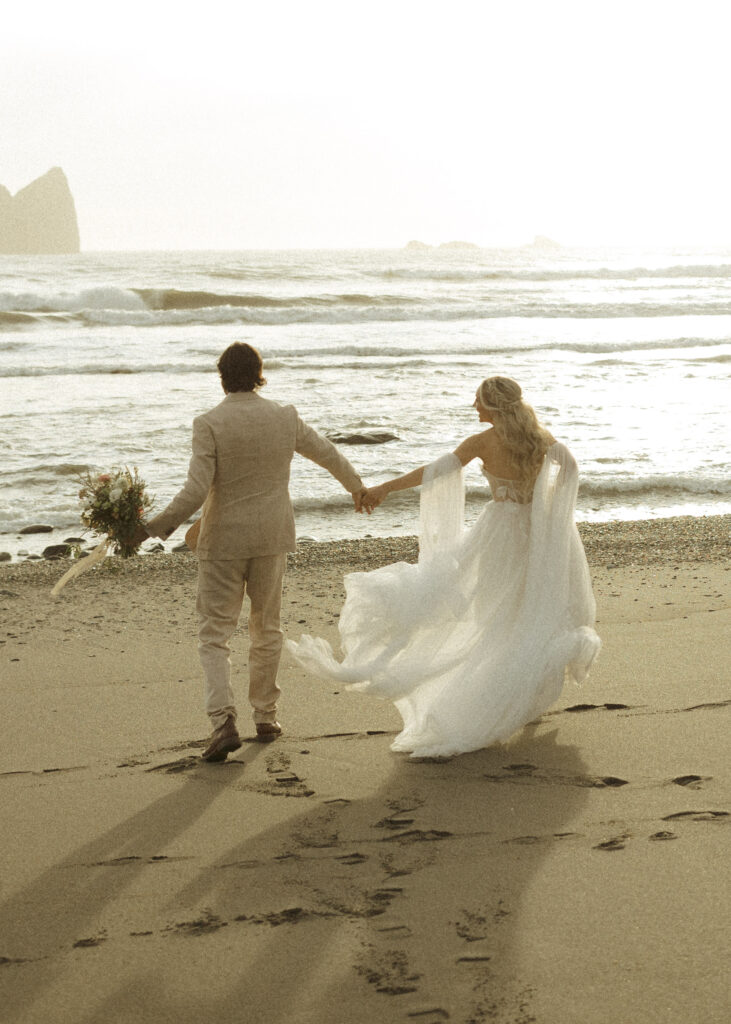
240 368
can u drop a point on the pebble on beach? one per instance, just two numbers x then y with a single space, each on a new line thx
640 543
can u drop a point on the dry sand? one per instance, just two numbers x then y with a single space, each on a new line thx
575 875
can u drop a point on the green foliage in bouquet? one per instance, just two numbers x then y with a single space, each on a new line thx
113 504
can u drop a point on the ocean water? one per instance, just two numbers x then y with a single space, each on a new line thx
105 359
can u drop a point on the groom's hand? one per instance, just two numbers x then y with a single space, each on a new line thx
358 500
140 536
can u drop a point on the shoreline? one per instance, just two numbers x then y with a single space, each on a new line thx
640 542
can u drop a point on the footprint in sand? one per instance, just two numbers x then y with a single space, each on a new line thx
394 823
615 843
352 858
241 864
709 707
418 835
203 925
278 762
429 1016
528 774
697 815
692 781
472 927
90 943
596 707
184 764
389 972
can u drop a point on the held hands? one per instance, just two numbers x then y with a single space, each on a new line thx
368 498
371 498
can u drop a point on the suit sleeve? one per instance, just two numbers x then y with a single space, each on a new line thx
189 499
318 449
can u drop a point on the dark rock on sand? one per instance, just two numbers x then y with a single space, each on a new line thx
36 529
5 556
57 551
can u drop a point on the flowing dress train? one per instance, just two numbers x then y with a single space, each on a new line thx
477 639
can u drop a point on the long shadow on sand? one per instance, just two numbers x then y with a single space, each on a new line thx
45 919
402 906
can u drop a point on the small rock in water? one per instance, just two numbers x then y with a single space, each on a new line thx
5 556
74 540
57 551
368 437
36 529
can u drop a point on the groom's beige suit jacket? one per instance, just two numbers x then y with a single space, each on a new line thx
242 451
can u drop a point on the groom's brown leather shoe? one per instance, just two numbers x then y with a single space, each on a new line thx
224 740
268 731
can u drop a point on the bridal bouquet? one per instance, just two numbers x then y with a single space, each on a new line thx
113 504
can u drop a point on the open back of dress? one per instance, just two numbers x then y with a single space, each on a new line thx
477 639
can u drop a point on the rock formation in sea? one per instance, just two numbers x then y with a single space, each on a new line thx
416 246
543 242
40 219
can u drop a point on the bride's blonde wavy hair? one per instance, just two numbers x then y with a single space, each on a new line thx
516 424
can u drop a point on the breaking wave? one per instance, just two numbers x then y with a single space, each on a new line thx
141 307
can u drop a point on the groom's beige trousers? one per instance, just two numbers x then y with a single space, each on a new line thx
221 589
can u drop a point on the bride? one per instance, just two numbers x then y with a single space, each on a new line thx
477 639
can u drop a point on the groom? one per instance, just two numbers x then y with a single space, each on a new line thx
242 450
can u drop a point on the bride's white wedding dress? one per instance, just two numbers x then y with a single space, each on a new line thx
477 639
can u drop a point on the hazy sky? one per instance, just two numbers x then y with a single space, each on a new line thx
240 125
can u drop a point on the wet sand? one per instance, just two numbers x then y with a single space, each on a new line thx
575 874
